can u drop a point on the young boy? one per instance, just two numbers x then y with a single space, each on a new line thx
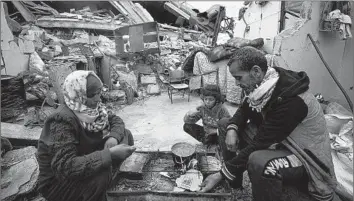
210 112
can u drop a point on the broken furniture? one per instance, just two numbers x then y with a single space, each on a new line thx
137 39
210 21
177 83
196 81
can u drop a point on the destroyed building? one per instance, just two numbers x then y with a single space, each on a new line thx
137 47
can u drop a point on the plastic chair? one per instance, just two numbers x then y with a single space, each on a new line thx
177 83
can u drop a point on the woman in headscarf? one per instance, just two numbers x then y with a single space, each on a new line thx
80 142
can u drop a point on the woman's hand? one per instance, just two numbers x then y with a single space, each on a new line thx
110 142
121 151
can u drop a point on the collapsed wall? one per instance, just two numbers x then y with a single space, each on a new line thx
295 51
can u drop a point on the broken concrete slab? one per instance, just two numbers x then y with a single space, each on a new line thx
148 79
29 17
19 179
26 46
134 164
153 89
16 132
15 61
18 155
47 22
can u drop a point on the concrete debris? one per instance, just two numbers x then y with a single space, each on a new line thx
148 79
36 63
5 146
113 95
16 132
21 178
134 164
18 155
153 89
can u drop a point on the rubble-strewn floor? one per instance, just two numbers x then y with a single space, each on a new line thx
158 124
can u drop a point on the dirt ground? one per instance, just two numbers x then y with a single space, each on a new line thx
157 124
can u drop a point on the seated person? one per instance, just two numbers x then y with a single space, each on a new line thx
278 134
210 112
80 142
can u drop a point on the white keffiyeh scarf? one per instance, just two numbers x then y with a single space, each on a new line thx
258 98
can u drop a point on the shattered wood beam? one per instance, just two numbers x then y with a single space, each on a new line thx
183 7
165 26
117 6
146 13
176 11
77 24
29 17
131 12
139 12
55 12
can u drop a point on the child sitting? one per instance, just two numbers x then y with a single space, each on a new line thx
210 112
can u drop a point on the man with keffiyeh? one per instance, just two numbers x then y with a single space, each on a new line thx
278 134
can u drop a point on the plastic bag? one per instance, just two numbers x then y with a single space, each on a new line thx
340 126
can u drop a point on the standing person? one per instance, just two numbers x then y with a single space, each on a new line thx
80 142
279 132
210 112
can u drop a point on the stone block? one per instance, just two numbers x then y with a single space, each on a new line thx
18 155
148 79
19 179
153 89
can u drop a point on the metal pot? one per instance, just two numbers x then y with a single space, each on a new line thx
182 153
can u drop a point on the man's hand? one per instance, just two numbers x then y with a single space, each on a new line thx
121 151
231 140
210 182
110 142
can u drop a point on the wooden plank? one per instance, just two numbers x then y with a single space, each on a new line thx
20 132
176 11
116 5
184 8
72 23
128 7
146 13
138 12
29 17
136 38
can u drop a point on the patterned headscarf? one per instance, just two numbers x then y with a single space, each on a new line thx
75 97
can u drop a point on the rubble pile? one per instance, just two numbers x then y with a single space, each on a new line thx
49 45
